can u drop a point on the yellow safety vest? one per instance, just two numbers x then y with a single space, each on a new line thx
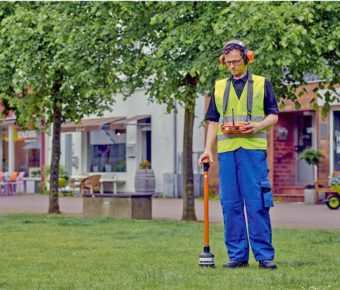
230 103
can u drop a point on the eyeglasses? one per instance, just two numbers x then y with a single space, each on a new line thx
234 62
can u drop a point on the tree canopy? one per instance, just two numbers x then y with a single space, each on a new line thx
290 39
63 61
65 53
185 39
58 63
178 45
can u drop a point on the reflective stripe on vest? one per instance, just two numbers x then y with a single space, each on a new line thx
230 142
239 118
231 136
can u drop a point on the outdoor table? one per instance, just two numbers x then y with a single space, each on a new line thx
113 180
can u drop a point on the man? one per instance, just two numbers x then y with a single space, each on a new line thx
243 171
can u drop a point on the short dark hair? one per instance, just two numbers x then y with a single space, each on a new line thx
230 47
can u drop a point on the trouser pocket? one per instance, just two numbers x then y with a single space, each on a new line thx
266 193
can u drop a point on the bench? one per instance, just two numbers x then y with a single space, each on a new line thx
129 205
114 180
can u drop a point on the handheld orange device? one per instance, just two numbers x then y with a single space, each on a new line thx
230 128
233 127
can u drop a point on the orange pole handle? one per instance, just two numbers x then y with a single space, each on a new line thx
206 209
206 200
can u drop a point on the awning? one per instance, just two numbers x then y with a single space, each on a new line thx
128 120
105 123
94 124
137 118
5 122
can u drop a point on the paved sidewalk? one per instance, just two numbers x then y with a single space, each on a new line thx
293 215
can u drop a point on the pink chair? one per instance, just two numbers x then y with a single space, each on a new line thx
18 185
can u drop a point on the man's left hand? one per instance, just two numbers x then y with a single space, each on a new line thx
251 128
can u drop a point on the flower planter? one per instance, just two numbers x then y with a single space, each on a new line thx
309 194
145 181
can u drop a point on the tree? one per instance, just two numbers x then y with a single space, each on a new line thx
170 48
175 60
290 39
58 63
178 50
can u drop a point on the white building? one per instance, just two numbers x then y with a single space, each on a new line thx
134 130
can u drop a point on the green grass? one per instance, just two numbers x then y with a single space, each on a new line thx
60 252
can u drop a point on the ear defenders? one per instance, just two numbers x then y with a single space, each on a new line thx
248 55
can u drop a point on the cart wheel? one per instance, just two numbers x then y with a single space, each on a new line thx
333 201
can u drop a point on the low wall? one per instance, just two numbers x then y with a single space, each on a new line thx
134 206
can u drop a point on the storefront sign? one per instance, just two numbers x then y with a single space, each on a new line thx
28 134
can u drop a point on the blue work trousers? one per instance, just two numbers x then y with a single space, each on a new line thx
244 186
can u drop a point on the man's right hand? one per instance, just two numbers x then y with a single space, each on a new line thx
206 154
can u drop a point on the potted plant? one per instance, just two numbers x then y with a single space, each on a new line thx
145 178
312 157
62 179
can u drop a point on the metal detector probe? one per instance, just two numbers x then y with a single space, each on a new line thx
206 258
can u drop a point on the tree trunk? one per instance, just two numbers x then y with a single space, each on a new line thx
188 177
54 197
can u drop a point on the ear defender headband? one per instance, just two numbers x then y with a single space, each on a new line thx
248 55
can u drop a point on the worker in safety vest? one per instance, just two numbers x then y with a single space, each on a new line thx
240 111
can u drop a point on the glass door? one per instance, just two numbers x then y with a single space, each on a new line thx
304 139
336 140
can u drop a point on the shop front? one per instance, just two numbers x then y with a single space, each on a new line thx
109 146
300 129
294 132
20 150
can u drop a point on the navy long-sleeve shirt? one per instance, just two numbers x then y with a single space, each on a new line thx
270 103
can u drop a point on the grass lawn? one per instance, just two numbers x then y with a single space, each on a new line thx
60 252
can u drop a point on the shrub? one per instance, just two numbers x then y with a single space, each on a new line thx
311 156
145 164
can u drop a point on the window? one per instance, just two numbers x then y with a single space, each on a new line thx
26 150
336 140
107 152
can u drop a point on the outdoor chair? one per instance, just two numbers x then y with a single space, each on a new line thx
11 180
73 183
90 183
18 185
3 184
12 176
